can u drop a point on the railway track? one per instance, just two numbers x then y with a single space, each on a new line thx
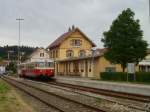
134 97
58 102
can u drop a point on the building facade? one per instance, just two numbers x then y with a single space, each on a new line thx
3 65
40 54
74 56
144 65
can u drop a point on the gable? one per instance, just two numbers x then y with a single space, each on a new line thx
64 36
36 54
85 43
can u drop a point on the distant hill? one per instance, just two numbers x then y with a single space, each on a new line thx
13 51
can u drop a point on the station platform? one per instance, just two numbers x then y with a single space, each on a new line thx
119 87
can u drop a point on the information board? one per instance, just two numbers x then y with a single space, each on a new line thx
131 68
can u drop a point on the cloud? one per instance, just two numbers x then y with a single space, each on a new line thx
45 20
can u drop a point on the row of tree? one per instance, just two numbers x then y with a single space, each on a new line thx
124 40
11 52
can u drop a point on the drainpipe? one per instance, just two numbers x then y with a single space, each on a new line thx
93 52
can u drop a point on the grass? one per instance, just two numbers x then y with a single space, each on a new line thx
9 100
99 100
4 88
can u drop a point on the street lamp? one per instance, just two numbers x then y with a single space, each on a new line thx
19 20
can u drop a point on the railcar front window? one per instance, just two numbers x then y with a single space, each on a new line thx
51 64
41 64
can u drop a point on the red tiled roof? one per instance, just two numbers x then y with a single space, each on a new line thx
58 41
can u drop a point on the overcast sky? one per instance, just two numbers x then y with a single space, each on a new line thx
45 20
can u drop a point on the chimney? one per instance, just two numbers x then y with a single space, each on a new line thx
73 27
69 29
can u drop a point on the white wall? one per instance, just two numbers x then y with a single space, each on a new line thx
2 69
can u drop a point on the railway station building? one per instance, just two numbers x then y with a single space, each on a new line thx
74 56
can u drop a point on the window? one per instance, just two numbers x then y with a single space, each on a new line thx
82 53
90 66
82 66
110 69
56 54
53 54
76 42
50 64
41 54
69 53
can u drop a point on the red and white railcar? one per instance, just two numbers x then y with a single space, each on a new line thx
36 69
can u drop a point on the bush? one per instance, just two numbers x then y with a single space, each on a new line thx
115 76
12 67
143 77
121 76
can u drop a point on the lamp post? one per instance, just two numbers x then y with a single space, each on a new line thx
149 11
19 20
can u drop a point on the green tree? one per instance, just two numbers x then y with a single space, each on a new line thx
12 67
1 59
124 40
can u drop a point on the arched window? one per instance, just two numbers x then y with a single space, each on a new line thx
69 53
82 53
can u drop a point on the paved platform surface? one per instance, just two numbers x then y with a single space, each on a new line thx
121 87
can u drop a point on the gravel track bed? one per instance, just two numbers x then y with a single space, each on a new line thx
96 102
126 102
64 105
34 103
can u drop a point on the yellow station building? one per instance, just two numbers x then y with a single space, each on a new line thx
73 56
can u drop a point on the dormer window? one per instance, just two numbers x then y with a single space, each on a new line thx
69 53
76 42
41 54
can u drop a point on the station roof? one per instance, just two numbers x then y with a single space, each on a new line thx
144 63
77 58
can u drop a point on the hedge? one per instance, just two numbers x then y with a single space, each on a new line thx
120 76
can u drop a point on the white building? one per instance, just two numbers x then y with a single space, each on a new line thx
40 55
144 65
3 65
